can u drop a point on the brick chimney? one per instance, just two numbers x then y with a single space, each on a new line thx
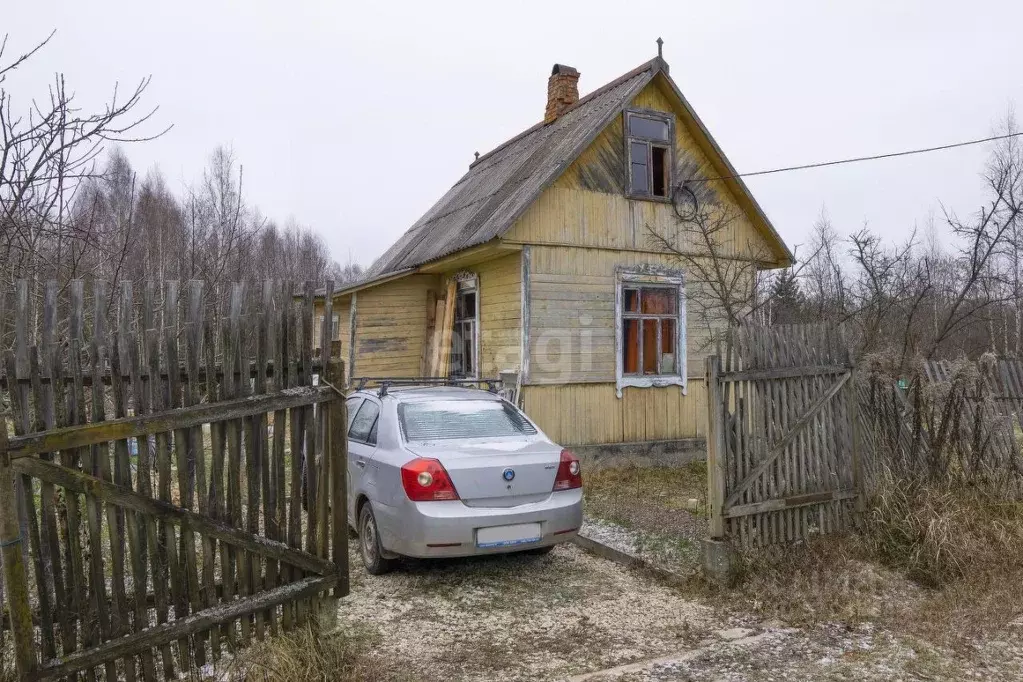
562 91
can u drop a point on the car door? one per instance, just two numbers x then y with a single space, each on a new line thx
362 443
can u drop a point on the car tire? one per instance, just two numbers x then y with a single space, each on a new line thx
369 544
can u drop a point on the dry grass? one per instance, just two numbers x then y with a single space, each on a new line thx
670 487
645 497
939 534
306 655
830 578
942 564
664 506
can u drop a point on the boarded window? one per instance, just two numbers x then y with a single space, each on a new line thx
650 327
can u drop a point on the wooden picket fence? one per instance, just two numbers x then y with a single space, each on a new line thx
783 435
169 490
950 421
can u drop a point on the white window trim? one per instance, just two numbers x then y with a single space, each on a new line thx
659 277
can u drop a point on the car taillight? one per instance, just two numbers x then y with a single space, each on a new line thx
426 480
569 472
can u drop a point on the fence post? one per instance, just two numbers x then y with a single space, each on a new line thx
715 453
719 558
857 444
338 425
14 564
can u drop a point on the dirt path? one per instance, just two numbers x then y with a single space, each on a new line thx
572 615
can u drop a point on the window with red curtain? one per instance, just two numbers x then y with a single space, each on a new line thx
650 319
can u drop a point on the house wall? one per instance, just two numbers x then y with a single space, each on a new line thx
586 414
579 231
500 290
572 314
343 307
390 327
587 205
571 390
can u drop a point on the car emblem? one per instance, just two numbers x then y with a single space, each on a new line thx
509 474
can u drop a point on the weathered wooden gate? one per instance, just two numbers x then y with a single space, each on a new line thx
170 491
783 451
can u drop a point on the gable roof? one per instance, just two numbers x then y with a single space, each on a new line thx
503 183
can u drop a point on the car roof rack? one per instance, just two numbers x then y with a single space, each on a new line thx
385 383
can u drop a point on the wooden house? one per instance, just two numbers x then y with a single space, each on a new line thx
538 260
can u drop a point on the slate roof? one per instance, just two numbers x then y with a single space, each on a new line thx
501 184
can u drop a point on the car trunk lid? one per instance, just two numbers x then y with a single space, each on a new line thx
496 473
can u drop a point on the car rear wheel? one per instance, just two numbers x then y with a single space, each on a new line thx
369 544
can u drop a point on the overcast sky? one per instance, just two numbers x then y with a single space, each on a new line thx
354 118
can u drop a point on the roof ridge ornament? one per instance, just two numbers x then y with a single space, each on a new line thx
660 48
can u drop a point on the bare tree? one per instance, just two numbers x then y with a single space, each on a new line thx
726 273
724 270
49 148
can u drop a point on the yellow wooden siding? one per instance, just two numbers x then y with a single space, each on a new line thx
572 309
390 327
587 414
500 292
342 306
587 205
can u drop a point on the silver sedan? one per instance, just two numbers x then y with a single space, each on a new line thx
446 472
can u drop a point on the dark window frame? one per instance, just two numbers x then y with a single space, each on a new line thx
649 143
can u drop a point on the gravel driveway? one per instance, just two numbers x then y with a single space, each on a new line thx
570 615
520 617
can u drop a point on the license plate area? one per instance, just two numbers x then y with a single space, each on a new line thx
508 536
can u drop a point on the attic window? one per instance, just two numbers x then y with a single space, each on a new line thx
649 138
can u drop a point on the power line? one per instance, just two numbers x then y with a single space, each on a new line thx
857 159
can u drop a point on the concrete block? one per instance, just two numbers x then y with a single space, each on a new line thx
720 561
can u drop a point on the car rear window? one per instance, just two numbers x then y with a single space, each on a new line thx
445 419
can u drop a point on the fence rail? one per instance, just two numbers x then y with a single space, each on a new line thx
150 519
